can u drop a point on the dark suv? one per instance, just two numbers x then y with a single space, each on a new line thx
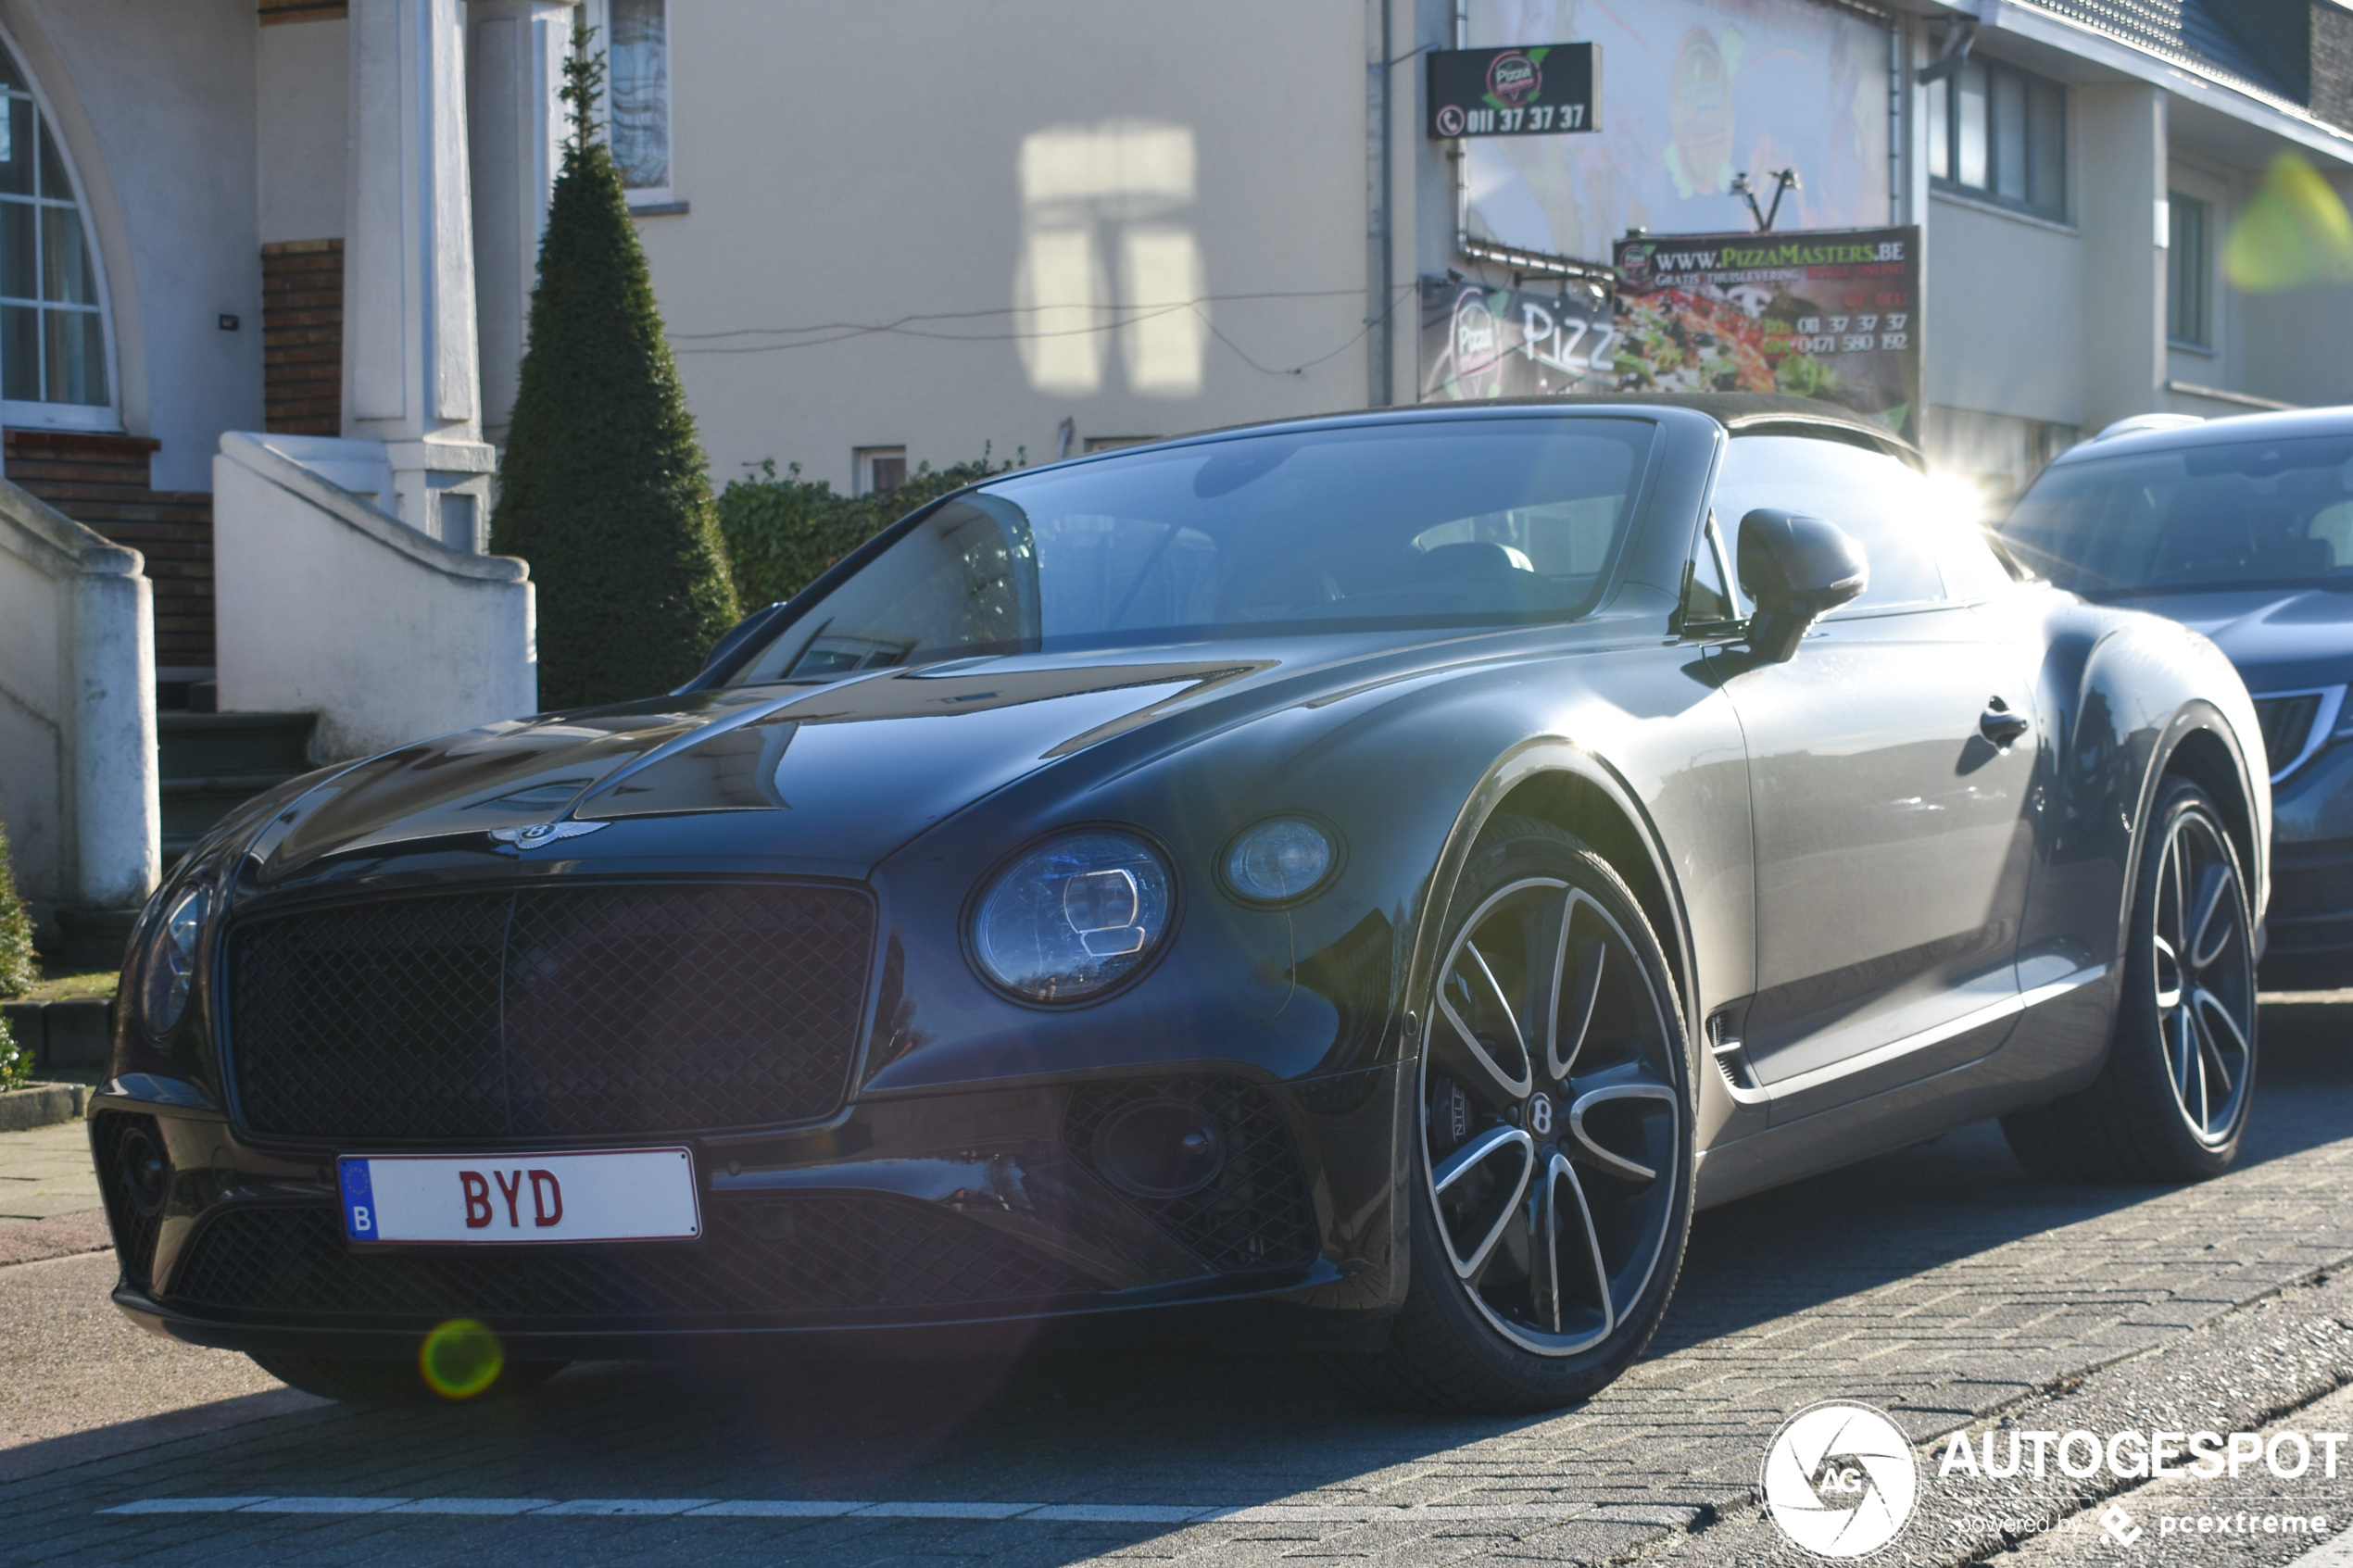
2242 529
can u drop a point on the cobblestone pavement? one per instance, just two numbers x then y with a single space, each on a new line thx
1939 1284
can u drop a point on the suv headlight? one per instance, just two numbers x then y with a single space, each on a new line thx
168 959
1074 917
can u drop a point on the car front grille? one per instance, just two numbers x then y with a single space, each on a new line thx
782 1258
548 1012
1256 1213
2287 725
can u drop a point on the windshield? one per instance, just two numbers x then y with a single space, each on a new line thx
2248 514
1448 523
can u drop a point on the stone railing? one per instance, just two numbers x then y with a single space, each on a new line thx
328 603
78 785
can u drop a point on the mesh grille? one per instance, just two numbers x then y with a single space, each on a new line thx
782 1258
1257 1213
134 1233
2287 725
548 1012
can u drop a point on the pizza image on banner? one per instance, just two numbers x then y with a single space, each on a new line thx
1832 315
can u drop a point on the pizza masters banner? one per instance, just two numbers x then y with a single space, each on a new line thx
1829 315
1834 316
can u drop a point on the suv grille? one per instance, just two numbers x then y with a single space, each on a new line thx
2287 725
543 1012
803 1255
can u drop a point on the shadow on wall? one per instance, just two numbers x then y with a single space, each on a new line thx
1099 197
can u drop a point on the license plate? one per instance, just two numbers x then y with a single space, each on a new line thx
603 1194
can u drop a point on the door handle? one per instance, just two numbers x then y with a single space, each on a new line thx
2001 726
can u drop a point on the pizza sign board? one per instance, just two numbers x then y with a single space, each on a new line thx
1528 90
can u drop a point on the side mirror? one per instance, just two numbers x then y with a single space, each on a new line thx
1795 570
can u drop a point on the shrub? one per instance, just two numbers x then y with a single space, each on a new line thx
18 971
15 1062
781 533
603 488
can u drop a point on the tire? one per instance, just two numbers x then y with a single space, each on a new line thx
387 1380
2171 1104
1551 1186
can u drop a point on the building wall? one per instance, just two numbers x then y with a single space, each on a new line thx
154 101
2005 316
300 82
867 167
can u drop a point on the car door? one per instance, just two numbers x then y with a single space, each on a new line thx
1891 763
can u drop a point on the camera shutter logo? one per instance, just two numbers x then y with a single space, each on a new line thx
1839 1479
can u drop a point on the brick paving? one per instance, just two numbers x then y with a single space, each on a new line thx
1941 1283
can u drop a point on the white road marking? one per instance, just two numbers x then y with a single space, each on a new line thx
2336 1552
1105 1513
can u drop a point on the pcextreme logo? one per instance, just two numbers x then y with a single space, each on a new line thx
1839 1479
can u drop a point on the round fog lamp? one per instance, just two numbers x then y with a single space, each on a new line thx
1161 1149
1072 918
1280 859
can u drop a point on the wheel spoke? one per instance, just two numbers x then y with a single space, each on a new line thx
1460 1163
1607 1094
2210 1011
1562 1171
2169 969
2202 942
1577 1017
1544 1248
2181 1048
1503 1086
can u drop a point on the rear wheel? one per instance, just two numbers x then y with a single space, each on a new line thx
387 1380
2172 1103
1552 1187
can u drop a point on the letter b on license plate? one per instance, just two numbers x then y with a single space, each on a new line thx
505 1199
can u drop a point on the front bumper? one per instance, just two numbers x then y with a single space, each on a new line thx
923 1221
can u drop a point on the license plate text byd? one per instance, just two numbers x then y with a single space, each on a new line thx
603 1195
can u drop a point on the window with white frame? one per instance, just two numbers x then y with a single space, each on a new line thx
52 325
636 40
877 470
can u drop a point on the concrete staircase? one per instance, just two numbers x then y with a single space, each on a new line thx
213 763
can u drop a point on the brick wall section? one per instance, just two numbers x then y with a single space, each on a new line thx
302 337
2333 64
102 482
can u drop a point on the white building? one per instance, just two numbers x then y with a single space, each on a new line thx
913 230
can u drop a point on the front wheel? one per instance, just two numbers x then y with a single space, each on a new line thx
2172 1103
1552 1182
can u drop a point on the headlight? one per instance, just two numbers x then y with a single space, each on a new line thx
1072 918
169 961
1280 859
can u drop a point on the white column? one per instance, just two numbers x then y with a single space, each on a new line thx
2121 128
514 66
410 377
117 811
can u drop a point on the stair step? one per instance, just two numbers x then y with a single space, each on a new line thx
217 744
211 764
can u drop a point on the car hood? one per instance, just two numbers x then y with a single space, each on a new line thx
2279 639
843 772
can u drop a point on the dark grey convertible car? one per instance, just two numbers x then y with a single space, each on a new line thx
1356 883
2242 528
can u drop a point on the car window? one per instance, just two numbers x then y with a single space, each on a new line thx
1708 593
1889 508
1444 524
2210 515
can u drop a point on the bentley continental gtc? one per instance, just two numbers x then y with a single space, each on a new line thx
1354 885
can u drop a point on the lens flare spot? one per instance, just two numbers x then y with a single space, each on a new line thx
460 1359
2295 232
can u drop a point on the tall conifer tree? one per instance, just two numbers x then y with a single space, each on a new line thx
603 488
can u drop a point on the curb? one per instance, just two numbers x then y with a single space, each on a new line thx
40 1105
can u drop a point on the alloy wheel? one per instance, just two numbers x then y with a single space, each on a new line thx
1553 1124
2205 978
